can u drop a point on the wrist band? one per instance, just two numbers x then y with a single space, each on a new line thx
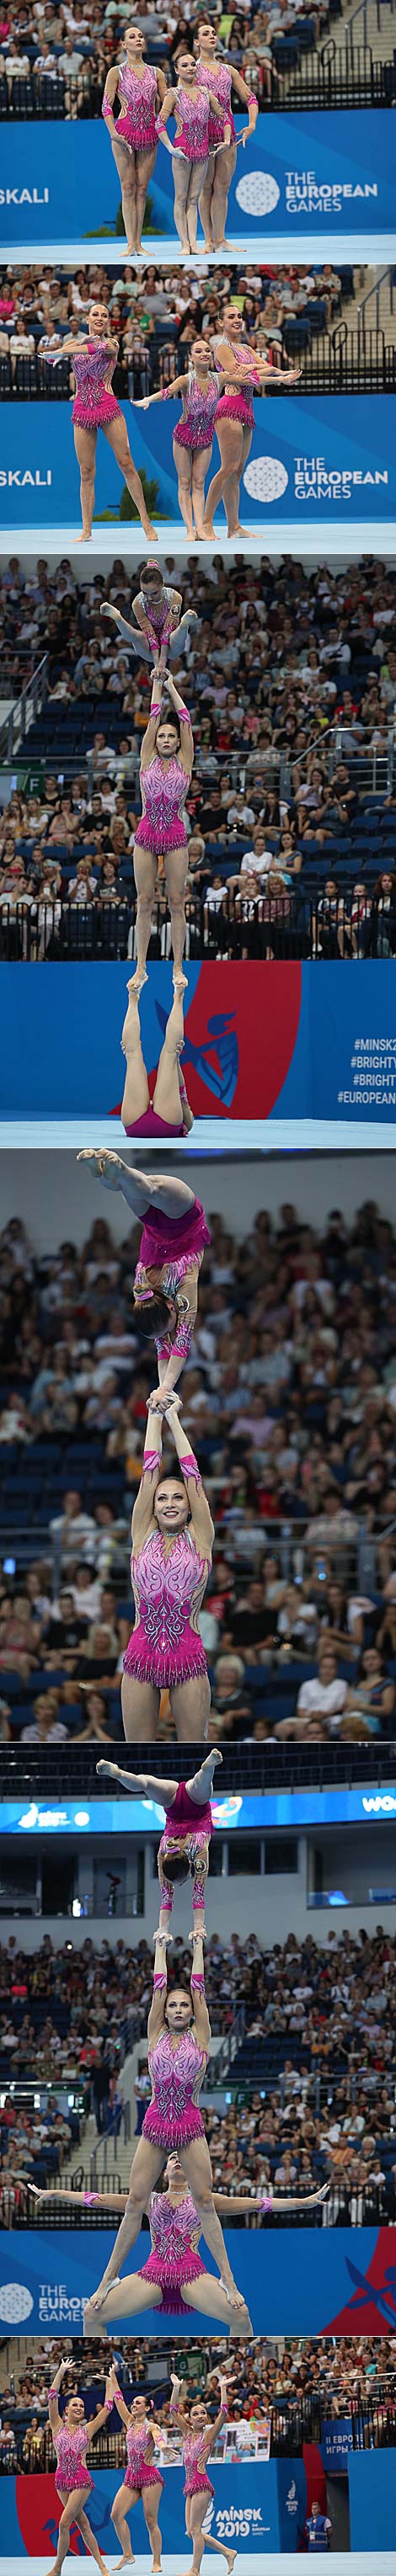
107 107
252 102
89 2198
150 1462
109 2402
184 715
155 710
159 1979
189 1468
265 2205
197 1981
52 2392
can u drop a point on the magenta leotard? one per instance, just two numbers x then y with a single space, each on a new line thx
237 404
188 1822
152 1125
165 1646
170 1244
142 2468
218 78
162 619
173 2260
192 139
163 792
196 427
71 2466
136 124
196 2480
173 2118
94 405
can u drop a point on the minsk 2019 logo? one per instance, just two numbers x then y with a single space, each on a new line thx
373 2294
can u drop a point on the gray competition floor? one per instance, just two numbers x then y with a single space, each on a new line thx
278 536
210 1137
372 2564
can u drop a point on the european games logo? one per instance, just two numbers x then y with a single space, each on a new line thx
266 479
291 2498
257 193
15 2303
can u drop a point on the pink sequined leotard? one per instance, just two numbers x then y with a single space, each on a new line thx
162 615
237 402
94 403
218 78
163 792
142 2468
196 2480
196 427
165 1647
192 139
174 2260
71 2466
171 1244
136 124
173 2117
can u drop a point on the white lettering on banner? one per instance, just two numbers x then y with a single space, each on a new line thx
13 474
24 197
385 1806
56 2308
379 1074
240 2520
315 481
307 195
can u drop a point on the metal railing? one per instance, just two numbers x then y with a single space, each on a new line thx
328 78
23 714
270 927
346 360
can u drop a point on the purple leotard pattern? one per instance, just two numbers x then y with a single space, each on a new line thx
192 139
71 2466
196 2480
162 619
174 2260
173 2118
165 1647
94 405
136 125
142 2468
163 793
218 78
197 424
236 405
171 1244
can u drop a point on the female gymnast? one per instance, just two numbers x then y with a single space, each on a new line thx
184 1845
191 104
168 1112
174 1238
174 2279
141 90
95 407
193 439
198 2437
179 2040
72 2434
221 78
244 371
172 1541
157 611
165 771
142 2478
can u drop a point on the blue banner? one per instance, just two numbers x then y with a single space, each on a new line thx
301 176
312 461
292 2503
350 2288
262 1041
372 2502
123 1815
336 2444
243 2512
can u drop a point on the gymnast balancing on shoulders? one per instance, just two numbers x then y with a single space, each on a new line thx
221 77
174 1238
178 2041
166 763
157 611
245 372
95 407
175 2278
199 388
72 2434
133 135
191 104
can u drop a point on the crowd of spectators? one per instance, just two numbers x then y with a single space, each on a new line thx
293 2380
291 682
156 312
289 1398
312 2071
54 54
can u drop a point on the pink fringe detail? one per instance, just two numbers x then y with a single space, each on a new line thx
170 2133
170 2281
164 1670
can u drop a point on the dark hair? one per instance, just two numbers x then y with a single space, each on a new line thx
153 1316
176 1868
167 717
180 1990
146 573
